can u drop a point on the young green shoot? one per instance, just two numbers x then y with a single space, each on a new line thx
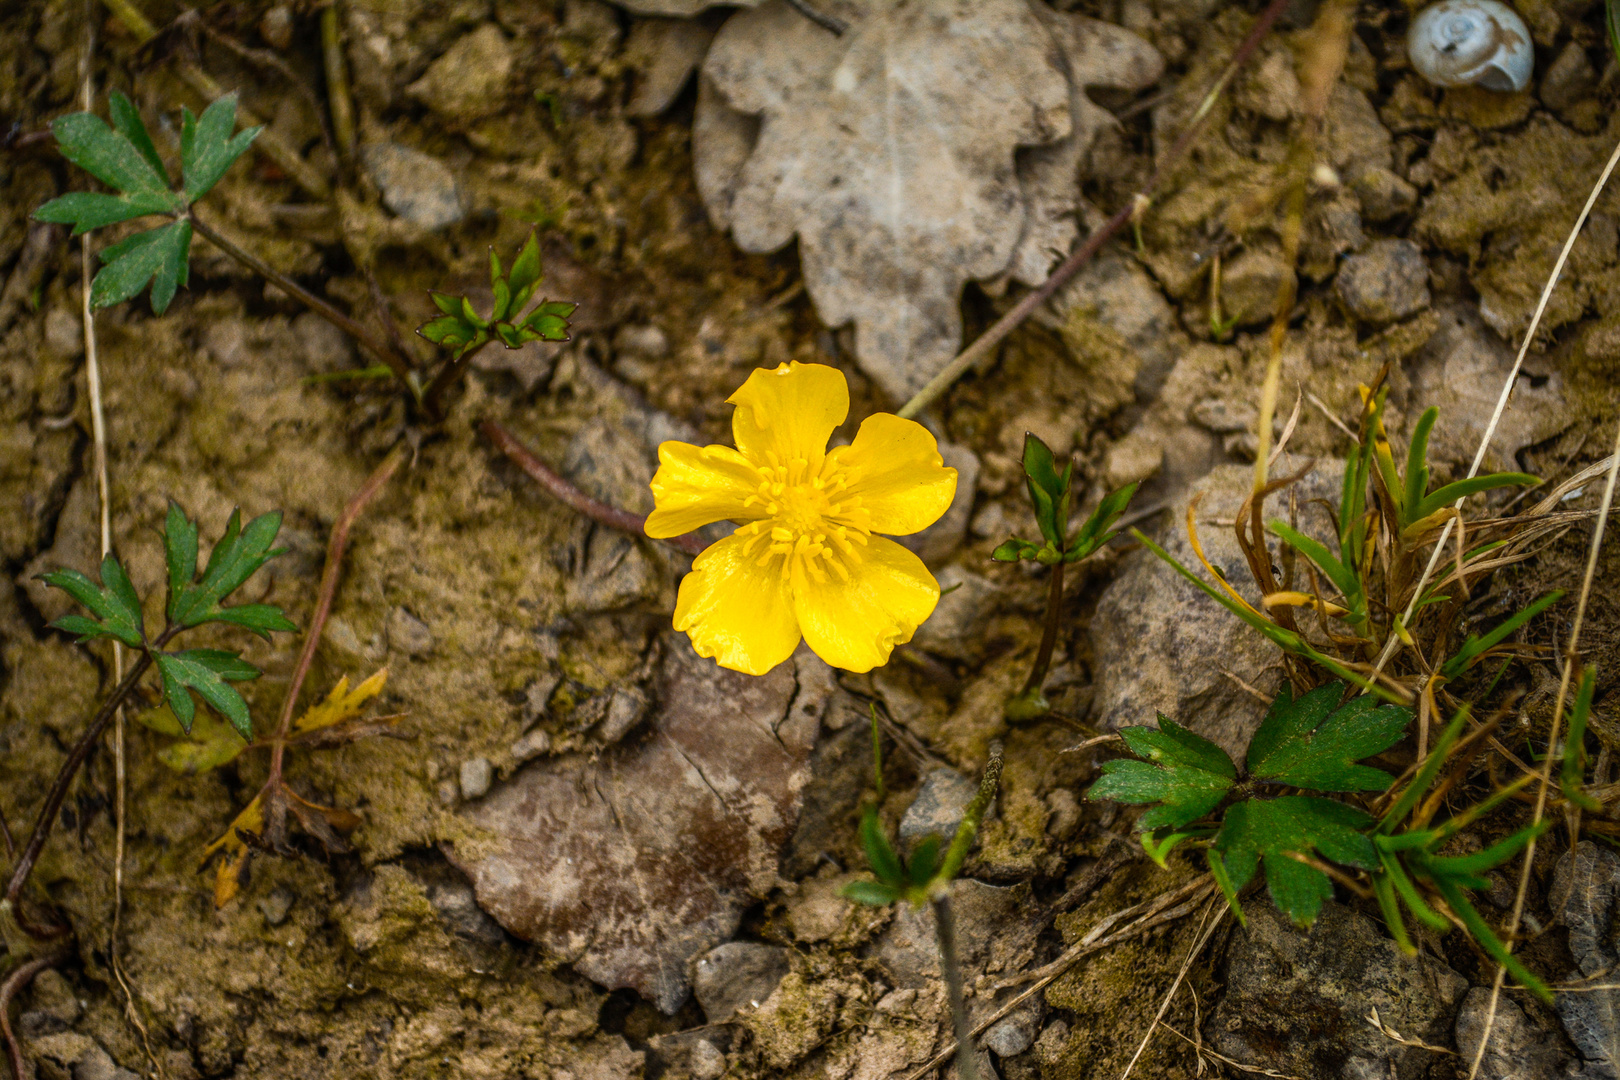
1049 496
925 878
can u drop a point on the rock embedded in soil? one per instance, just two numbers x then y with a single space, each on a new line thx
1518 1049
469 80
419 188
737 975
1585 886
956 628
1297 1001
631 863
1162 646
1387 281
937 809
475 777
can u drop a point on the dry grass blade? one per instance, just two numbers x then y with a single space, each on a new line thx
1571 661
1207 931
1204 1051
1158 913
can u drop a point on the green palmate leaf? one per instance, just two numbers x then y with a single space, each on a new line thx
208 672
126 119
160 256
108 155
873 893
1476 646
207 147
236 557
114 603
86 210
1270 831
1185 773
1313 743
1094 533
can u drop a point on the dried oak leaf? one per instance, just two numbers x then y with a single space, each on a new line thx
630 863
889 151
929 145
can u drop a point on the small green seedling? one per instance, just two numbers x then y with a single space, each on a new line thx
124 158
1310 742
1049 495
1572 776
925 878
115 611
461 329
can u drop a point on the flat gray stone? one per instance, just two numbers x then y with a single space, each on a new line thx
417 187
736 975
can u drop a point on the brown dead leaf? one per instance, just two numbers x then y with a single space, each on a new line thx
889 150
232 868
630 864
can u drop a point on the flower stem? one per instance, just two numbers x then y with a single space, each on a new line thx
1054 613
599 512
945 934
366 339
323 603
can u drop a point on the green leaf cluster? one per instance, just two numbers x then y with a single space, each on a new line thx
123 157
1307 742
1049 495
1411 855
115 611
461 329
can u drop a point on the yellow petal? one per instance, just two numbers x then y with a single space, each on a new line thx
901 479
854 625
737 612
789 411
695 486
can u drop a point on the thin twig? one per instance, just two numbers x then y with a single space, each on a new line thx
1186 966
337 81
15 983
827 22
987 341
562 490
1572 657
366 339
1156 915
335 546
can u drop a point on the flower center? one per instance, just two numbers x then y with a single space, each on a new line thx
813 525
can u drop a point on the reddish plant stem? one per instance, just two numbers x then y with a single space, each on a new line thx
15 983
323 603
1054 611
70 768
987 341
599 512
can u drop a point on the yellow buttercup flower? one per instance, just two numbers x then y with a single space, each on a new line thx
804 561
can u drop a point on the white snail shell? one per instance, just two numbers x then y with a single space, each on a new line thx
1472 43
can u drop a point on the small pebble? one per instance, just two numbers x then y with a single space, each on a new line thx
1388 281
476 775
276 27
708 1063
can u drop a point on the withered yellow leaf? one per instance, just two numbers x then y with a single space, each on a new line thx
342 703
228 875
